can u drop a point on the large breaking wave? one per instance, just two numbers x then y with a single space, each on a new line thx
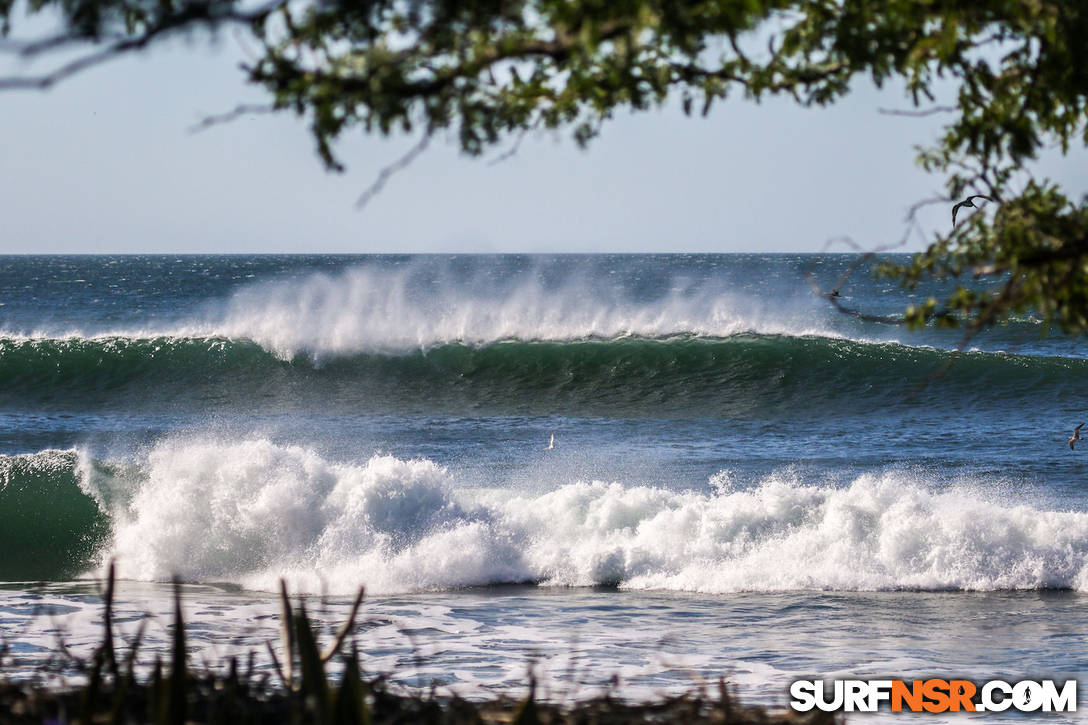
251 511
395 340
739 375
381 310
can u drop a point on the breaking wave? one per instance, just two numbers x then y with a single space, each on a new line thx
739 375
252 511
51 527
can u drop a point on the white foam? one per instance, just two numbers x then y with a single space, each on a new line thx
50 461
253 511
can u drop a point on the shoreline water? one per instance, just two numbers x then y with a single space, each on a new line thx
312 688
480 642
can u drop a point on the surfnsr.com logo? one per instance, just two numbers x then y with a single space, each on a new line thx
933 695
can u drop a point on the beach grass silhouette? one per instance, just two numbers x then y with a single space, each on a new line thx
311 684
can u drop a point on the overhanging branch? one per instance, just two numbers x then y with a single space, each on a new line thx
194 13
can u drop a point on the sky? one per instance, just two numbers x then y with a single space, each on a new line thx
106 162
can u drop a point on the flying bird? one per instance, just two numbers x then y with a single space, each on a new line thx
551 443
968 202
1075 437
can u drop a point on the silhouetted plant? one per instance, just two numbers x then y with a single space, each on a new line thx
309 695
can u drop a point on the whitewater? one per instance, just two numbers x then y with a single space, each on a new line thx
252 512
745 482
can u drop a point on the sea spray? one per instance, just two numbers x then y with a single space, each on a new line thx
370 310
251 511
396 310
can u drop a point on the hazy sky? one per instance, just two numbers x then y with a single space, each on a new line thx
105 163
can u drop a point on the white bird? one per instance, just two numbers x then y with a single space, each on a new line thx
1075 437
968 202
551 444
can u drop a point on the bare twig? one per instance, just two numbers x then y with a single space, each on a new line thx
833 297
513 150
243 109
44 82
973 328
917 112
386 173
30 48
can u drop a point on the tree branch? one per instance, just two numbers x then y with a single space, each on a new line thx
244 109
386 173
194 13
917 112
866 255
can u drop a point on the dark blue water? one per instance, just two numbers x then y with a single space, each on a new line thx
721 431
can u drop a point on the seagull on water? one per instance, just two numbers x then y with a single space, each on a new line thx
551 444
968 202
1075 437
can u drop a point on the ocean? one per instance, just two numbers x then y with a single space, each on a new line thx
745 482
